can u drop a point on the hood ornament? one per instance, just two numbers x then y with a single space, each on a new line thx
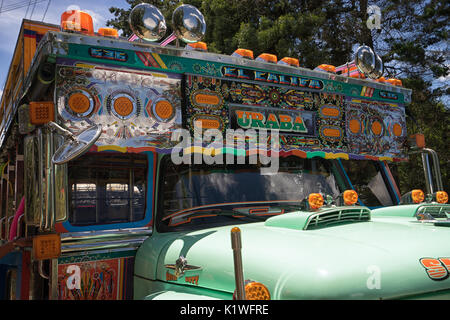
181 266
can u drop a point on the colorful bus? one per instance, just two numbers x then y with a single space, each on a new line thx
136 170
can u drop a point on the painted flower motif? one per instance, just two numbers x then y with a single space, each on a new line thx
274 96
176 66
197 68
207 82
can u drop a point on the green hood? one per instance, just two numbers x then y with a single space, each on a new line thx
365 260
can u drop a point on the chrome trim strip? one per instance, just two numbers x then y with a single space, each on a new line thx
85 246
107 234
101 240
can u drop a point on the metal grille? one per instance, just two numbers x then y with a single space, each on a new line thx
326 218
434 211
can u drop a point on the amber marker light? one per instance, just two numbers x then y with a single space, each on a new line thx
163 110
417 140
123 106
47 246
441 197
267 57
199 46
79 102
42 112
293 62
78 21
350 197
327 68
243 53
417 196
256 291
108 32
315 201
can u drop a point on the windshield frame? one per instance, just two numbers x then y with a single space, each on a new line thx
388 182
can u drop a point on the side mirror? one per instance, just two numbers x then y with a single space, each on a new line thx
75 144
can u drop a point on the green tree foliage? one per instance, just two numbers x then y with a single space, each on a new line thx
412 43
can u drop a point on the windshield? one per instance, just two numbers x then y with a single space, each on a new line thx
202 196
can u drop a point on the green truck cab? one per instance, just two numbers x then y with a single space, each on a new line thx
335 252
136 170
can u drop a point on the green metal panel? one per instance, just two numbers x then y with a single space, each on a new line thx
379 259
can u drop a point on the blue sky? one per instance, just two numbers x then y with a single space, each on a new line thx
10 21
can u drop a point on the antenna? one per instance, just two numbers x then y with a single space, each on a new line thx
46 9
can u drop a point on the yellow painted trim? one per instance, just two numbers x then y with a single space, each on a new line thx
336 156
84 65
158 59
112 148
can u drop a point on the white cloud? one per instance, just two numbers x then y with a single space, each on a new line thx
444 79
11 21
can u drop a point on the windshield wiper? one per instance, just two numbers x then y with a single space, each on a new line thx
186 216
238 214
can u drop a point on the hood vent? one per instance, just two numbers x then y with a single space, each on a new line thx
325 218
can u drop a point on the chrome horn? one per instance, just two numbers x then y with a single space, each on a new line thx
147 23
188 23
366 62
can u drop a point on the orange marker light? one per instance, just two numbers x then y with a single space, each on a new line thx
235 229
108 32
350 197
293 62
315 201
417 196
327 68
243 53
163 110
42 112
123 106
441 197
78 21
79 103
394 82
267 57
199 46
417 140
46 246
256 291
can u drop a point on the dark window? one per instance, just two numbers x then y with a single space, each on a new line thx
107 188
